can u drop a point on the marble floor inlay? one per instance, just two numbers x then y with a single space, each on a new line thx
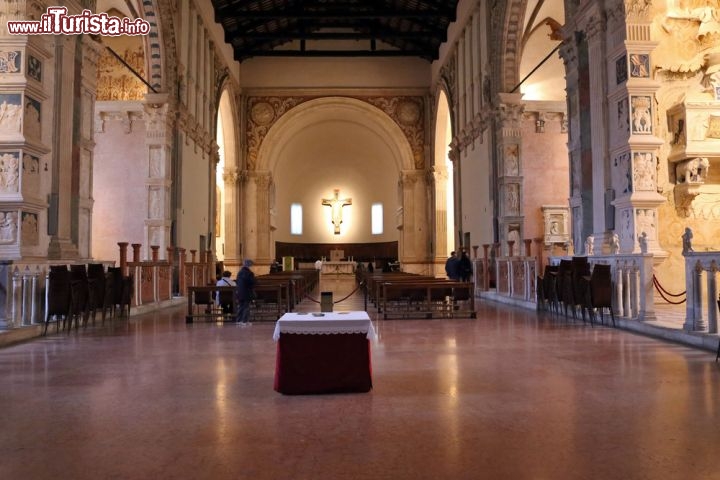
509 395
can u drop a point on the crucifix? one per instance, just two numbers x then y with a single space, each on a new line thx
336 205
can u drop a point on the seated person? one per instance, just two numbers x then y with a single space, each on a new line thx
225 301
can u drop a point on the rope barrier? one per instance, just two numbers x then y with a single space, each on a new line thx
662 293
660 287
342 299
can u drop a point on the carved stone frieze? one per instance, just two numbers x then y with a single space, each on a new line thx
115 82
407 112
448 76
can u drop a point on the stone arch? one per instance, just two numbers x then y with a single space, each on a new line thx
442 177
411 217
329 108
228 211
511 44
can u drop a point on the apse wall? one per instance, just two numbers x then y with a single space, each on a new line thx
338 154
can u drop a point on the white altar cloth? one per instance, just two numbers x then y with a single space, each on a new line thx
328 324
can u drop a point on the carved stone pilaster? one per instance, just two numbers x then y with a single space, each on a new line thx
159 126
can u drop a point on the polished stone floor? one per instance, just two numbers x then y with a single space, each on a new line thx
509 395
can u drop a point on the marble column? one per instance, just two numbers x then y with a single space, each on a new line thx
569 54
440 178
232 208
596 48
82 196
60 213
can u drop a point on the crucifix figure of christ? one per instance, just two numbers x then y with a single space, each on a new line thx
336 205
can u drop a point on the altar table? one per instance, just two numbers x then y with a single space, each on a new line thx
338 267
323 354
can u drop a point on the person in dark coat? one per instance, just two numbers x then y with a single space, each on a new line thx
245 292
452 267
465 267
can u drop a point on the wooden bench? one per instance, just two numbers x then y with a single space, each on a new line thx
442 298
271 301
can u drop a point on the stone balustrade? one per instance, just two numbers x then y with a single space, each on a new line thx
23 285
23 288
632 277
701 309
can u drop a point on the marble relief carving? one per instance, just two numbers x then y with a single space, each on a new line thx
10 61
621 178
639 65
713 130
33 112
34 68
644 171
31 173
623 116
8 227
645 222
30 233
512 167
512 199
9 171
621 73
694 170
10 113
641 114
155 160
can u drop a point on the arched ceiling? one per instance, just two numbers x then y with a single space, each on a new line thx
307 28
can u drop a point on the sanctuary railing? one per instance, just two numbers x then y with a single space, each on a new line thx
701 311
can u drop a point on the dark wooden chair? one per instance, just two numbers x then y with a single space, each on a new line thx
79 295
579 268
57 297
204 299
227 301
549 293
96 289
126 295
599 295
564 286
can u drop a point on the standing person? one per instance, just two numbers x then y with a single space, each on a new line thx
452 267
224 301
465 267
245 292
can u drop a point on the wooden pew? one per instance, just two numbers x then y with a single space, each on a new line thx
442 298
272 304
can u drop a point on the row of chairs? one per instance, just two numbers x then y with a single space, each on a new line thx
77 293
571 286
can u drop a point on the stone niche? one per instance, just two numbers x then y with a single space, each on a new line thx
556 219
695 158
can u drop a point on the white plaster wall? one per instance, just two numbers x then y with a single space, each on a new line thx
475 194
335 154
119 191
193 215
334 72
